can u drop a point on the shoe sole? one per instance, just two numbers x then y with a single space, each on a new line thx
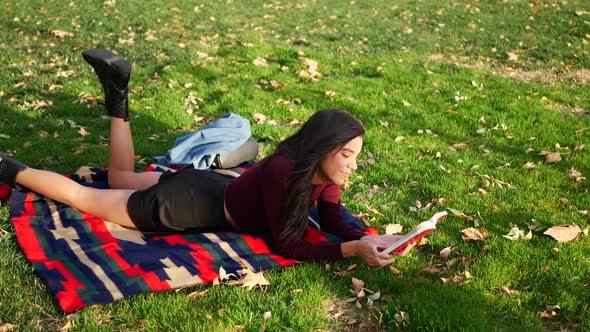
102 60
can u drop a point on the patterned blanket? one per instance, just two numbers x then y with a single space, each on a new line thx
87 261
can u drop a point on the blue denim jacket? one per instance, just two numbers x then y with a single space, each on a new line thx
201 146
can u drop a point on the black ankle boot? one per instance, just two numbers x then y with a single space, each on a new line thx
114 74
9 168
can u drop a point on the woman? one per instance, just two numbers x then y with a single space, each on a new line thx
274 194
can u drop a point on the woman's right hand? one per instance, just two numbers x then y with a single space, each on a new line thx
368 251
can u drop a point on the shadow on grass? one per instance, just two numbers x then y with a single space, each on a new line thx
432 306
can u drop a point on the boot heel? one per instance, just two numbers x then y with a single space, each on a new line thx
9 168
246 152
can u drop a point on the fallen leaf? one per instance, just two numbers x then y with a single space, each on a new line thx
535 225
259 118
546 314
474 234
394 270
251 279
260 62
61 33
391 229
576 176
276 84
398 139
564 233
198 293
401 317
375 296
83 132
518 234
512 56
423 241
83 147
551 157
431 270
7 327
529 165
312 65
508 291
373 210
444 254
357 283
406 104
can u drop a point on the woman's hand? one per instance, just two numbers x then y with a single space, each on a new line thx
368 251
384 241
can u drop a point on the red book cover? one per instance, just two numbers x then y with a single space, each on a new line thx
416 234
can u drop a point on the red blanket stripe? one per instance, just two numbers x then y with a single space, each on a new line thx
26 236
259 247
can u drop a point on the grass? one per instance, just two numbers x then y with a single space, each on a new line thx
429 71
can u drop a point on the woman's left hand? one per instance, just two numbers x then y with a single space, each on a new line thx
384 241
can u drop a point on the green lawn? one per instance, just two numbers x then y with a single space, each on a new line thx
456 96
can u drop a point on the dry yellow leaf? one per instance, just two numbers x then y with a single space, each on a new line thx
82 131
512 56
444 254
312 65
564 233
431 270
551 157
394 270
357 283
529 165
260 62
508 291
259 118
61 33
7 327
474 234
251 279
391 229
576 176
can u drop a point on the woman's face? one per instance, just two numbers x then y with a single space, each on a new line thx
337 164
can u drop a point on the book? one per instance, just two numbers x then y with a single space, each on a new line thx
417 233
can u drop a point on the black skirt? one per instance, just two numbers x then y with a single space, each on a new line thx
190 200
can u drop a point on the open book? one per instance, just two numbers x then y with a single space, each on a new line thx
417 233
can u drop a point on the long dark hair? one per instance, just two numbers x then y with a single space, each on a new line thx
323 132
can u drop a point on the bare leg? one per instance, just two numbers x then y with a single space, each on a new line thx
121 165
106 204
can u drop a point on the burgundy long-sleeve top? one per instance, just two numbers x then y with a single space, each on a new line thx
256 202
